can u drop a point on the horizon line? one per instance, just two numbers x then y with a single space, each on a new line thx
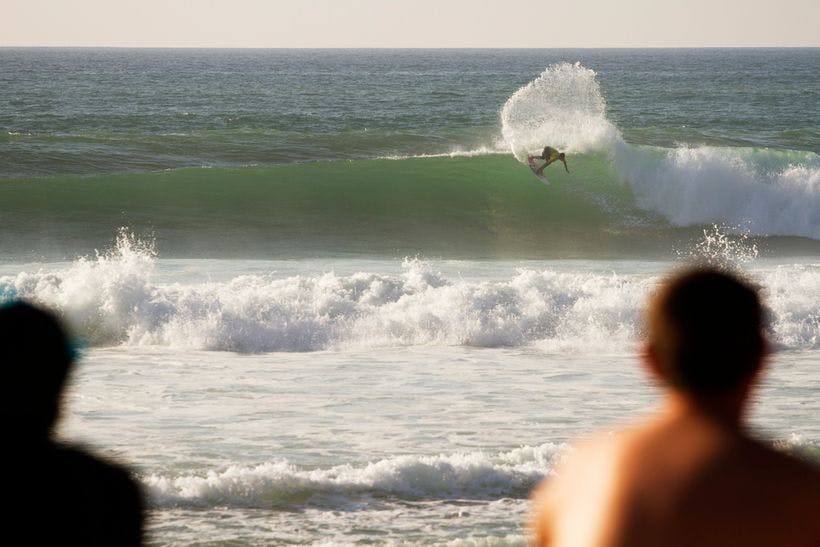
22 46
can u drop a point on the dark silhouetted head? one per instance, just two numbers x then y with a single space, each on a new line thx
705 331
35 356
561 156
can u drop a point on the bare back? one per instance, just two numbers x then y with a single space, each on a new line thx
679 481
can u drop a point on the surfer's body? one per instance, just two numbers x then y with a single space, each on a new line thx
550 155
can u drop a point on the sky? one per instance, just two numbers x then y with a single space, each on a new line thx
410 23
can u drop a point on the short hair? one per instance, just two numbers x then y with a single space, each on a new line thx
705 328
35 356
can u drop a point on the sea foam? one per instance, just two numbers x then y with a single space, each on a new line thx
115 298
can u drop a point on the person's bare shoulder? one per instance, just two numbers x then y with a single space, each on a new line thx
578 486
793 480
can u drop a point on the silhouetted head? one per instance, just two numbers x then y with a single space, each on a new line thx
705 331
35 357
561 156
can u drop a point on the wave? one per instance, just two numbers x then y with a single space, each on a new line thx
487 206
114 299
758 191
457 476
484 206
464 476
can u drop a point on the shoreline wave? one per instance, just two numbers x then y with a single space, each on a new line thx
457 476
465 477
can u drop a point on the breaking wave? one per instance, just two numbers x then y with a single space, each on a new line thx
761 191
470 475
115 298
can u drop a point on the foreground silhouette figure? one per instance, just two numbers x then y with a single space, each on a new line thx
58 495
690 475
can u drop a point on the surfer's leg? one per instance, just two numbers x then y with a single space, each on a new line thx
540 170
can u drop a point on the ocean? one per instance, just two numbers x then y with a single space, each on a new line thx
323 300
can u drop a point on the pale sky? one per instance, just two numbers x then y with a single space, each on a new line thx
410 23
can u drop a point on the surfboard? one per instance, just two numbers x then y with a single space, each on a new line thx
534 168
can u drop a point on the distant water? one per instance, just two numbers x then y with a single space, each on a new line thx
325 301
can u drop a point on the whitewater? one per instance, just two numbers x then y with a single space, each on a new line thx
126 296
320 299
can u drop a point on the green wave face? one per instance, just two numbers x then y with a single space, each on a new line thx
489 206
459 207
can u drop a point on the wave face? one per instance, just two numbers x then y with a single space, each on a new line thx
460 207
115 299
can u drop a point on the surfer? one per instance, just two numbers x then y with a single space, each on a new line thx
549 154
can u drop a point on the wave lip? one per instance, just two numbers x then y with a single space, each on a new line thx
469 475
455 153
